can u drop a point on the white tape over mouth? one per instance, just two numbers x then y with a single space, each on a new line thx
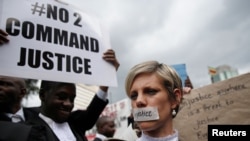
145 114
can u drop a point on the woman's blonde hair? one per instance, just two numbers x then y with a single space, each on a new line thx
171 79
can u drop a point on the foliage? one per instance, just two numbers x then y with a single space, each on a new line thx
32 87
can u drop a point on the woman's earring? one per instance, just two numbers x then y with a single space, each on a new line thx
173 112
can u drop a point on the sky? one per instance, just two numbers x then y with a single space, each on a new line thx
198 33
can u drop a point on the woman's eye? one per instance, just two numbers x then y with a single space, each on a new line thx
133 96
151 91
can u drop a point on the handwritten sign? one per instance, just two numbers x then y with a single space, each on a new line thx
226 102
52 40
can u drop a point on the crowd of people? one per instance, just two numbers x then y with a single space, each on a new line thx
154 88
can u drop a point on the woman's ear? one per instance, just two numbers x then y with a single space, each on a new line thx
177 100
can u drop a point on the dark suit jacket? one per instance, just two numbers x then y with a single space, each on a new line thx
79 121
17 131
14 131
30 113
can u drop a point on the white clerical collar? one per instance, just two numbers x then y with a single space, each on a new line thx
19 113
62 130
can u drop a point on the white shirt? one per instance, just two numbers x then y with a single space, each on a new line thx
102 95
62 130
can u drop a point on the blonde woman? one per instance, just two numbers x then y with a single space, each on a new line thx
155 91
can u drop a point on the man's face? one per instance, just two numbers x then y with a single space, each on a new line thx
11 93
59 103
109 128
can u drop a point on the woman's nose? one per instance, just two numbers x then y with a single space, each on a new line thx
140 101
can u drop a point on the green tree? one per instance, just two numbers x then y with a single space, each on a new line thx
32 87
